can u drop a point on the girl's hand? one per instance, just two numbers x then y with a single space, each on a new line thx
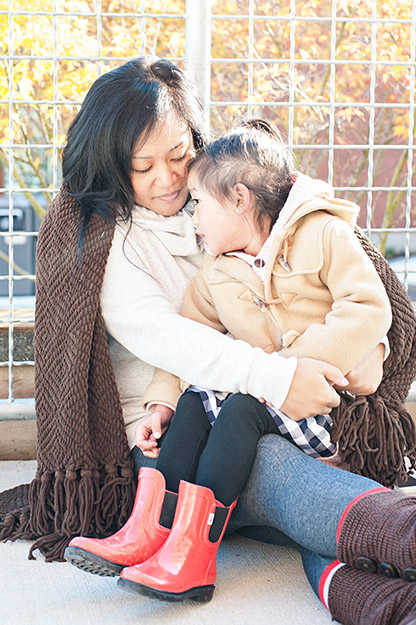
365 377
150 430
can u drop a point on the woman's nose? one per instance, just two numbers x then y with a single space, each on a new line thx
166 174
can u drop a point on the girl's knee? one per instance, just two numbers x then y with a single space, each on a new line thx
241 402
247 410
190 402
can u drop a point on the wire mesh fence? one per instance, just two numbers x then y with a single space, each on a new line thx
336 76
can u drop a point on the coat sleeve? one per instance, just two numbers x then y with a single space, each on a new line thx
197 306
164 387
360 315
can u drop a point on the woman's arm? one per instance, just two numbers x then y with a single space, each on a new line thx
139 316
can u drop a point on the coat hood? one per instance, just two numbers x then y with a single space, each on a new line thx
308 195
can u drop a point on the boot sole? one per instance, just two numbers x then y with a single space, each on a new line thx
201 594
91 563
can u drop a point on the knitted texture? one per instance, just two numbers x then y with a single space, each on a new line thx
358 598
376 433
380 526
84 480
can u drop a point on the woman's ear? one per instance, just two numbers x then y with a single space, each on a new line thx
243 197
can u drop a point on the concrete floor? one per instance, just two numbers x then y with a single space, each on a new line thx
256 583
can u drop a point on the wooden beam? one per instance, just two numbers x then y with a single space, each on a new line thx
23 382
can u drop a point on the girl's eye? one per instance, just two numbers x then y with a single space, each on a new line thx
195 201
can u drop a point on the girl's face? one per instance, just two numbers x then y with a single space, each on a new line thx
224 227
158 172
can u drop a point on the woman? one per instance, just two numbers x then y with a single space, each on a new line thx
115 252
114 255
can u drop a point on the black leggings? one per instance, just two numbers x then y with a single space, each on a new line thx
220 456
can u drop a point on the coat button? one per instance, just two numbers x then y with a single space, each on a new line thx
366 564
409 574
262 305
388 570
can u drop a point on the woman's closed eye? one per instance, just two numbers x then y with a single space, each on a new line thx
173 160
179 158
141 171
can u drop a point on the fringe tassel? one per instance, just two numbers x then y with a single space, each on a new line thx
52 547
374 437
114 503
88 495
69 503
16 526
14 513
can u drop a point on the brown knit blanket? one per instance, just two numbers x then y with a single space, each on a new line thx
375 433
84 481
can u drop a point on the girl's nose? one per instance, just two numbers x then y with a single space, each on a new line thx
194 218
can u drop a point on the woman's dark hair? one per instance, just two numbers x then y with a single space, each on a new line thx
121 107
255 155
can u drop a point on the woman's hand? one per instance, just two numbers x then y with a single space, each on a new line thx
150 430
365 377
311 391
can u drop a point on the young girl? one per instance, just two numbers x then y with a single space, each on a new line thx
284 271
305 287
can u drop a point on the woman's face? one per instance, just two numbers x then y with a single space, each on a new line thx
158 172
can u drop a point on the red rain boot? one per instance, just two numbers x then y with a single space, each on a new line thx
140 537
185 566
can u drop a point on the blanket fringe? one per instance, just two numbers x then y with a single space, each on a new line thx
387 435
64 504
14 513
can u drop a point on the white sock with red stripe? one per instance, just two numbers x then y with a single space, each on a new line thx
325 580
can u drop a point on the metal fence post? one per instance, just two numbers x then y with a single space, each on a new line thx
198 48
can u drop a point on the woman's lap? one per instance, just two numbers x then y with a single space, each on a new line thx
296 494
